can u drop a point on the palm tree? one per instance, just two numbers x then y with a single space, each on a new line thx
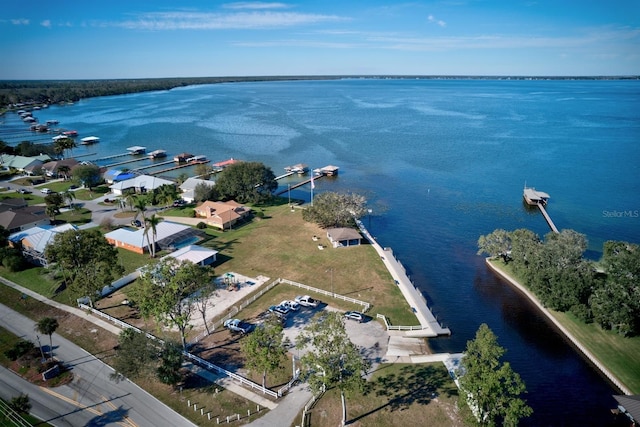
70 197
140 205
64 171
48 326
51 212
151 223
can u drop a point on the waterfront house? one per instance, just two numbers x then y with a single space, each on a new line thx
343 237
188 188
51 168
26 165
222 215
168 236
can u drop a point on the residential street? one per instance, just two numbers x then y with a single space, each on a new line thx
91 399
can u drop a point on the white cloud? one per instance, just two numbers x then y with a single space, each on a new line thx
254 5
433 19
218 21
20 21
46 23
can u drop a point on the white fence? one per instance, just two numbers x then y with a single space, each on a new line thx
199 361
365 305
398 328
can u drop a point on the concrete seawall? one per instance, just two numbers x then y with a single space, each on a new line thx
428 322
592 358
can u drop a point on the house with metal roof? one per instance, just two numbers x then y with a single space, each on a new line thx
343 237
168 236
22 163
195 254
34 241
189 186
139 184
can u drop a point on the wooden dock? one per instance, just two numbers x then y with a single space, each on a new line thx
300 184
546 216
126 162
179 166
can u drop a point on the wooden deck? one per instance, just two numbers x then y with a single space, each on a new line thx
546 216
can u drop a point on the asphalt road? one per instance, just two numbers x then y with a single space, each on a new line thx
91 399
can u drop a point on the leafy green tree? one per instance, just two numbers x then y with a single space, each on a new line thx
492 388
135 356
169 370
55 200
264 348
87 175
247 182
21 403
47 326
496 243
204 192
332 360
165 292
524 246
87 256
616 304
203 171
64 170
332 209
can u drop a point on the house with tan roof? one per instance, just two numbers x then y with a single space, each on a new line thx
222 215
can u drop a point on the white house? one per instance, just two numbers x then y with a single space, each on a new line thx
139 184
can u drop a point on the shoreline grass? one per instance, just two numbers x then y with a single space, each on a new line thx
616 353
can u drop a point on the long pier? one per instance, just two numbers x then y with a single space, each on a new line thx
300 184
180 166
546 216
126 162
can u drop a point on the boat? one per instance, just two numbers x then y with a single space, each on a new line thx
52 122
136 150
533 197
59 137
197 159
88 140
70 133
156 154
300 169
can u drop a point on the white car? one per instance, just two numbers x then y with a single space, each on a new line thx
354 315
279 311
307 301
237 325
46 191
291 305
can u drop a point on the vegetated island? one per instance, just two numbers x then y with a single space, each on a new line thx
24 93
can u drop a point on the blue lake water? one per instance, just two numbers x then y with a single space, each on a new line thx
441 162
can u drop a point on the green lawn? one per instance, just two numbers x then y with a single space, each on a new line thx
394 396
618 353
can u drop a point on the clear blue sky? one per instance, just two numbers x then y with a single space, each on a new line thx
69 39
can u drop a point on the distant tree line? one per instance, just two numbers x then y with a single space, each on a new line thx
607 292
38 92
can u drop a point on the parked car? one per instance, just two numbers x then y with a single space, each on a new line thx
136 223
279 311
291 305
237 325
46 191
24 191
354 315
307 301
178 203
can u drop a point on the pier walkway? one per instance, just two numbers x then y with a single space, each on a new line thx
430 326
548 218
300 184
